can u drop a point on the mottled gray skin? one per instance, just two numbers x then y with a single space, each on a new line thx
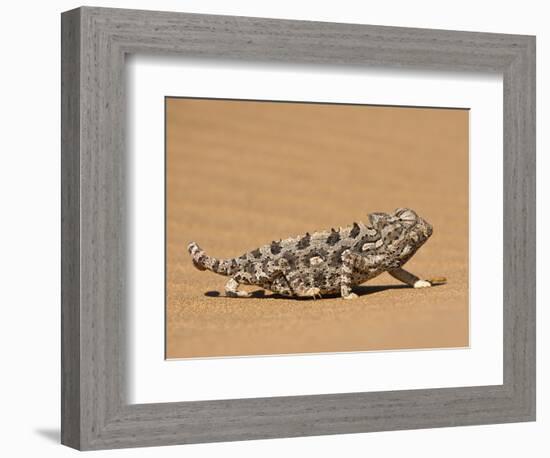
328 261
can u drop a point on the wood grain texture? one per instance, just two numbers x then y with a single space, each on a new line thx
96 414
70 229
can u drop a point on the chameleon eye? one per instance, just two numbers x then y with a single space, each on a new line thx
406 214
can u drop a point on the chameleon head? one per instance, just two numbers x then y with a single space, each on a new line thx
414 232
402 232
416 227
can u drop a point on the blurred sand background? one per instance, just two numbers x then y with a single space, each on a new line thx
240 174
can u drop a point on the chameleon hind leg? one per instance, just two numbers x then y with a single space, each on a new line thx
232 289
252 274
282 279
298 286
288 282
261 275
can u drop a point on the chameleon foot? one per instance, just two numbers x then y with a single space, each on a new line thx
237 294
231 289
309 292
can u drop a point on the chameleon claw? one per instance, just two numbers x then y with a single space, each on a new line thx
437 281
317 295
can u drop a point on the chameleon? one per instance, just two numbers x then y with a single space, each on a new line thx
327 262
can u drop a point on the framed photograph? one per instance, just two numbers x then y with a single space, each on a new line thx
276 228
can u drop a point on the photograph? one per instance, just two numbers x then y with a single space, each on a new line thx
275 223
296 227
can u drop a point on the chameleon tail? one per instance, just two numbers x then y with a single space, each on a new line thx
204 262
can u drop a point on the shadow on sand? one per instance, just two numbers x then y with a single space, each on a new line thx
359 290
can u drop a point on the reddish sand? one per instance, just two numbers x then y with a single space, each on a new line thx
240 174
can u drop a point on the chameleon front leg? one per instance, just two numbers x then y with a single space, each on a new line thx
409 279
352 262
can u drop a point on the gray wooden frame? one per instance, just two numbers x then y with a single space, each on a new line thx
95 413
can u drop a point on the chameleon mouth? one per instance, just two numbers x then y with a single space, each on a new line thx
422 232
429 230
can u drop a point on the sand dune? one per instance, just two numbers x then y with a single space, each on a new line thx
240 174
